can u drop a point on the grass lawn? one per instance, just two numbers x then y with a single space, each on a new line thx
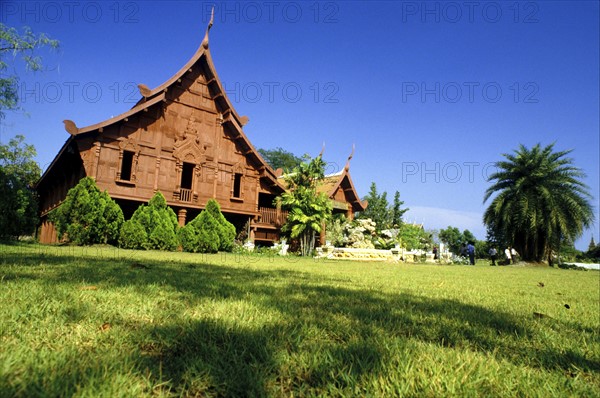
99 321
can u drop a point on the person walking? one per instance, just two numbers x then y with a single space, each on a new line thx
471 253
514 255
507 254
493 253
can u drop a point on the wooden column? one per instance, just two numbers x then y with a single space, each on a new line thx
350 214
181 215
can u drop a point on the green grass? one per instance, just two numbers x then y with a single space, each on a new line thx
105 322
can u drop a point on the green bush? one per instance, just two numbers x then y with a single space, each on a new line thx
132 236
335 231
226 230
201 234
159 223
162 237
188 238
208 233
88 216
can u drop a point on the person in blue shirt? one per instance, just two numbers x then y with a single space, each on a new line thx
471 253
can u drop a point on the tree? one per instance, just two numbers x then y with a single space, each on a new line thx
308 209
592 244
397 212
87 215
453 238
24 44
593 253
279 158
495 238
18 200
414 237
468 236
539 201
378 209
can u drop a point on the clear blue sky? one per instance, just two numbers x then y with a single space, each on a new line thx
431 93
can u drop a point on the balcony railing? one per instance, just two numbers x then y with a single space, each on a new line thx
185 195
272 216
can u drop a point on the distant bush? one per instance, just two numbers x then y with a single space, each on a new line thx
87 215
159 224
594 253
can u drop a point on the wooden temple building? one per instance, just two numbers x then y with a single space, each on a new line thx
340 189
184 139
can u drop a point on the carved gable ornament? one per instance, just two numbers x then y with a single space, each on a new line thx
239 168
129 144
189 150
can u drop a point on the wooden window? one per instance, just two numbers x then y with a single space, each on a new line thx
187 174
126 166
237 186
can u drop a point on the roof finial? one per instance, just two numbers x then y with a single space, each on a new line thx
210 24
322 150
71 127
212 18
347 167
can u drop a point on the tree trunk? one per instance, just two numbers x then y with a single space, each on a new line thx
305 243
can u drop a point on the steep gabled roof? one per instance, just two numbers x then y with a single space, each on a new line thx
342 180
230 117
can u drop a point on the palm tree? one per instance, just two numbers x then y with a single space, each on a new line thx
540 201
308 209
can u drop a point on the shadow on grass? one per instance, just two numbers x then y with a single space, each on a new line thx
208 358
331 336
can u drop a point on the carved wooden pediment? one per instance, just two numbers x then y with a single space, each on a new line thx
190 150
129 144
239 168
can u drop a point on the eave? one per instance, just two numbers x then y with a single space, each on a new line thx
74 130
60 153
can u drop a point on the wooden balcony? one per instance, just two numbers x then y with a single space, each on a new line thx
185 195
272 216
